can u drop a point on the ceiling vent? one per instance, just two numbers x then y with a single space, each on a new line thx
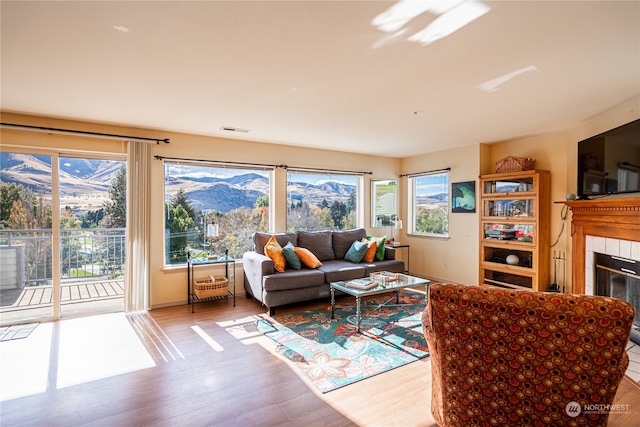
232 129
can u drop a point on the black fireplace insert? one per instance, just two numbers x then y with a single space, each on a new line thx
619 277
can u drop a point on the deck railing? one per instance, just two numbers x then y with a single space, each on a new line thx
85 253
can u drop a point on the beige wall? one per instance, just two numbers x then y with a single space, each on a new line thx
452 259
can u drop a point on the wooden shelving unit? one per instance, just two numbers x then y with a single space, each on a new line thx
514 229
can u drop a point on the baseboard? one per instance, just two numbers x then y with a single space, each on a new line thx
185 302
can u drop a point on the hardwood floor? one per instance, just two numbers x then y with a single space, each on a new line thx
174 368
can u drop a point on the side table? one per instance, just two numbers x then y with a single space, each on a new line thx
229 273
401 246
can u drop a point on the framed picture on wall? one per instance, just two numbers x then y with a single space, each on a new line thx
463 197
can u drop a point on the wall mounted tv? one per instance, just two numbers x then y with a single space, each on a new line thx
609 163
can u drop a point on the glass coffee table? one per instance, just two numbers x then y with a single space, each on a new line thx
404 281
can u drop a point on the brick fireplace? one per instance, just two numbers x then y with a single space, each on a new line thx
610 226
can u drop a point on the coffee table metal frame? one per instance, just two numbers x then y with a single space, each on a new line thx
404 281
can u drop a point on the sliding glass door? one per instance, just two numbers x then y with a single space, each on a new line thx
62 235
92 194
26 243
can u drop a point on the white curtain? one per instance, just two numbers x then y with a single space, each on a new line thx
136 295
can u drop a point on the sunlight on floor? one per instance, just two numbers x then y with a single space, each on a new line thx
241 328
85 348
24 364
96 347
207 338
159 345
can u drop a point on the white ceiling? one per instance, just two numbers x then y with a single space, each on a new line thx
319 73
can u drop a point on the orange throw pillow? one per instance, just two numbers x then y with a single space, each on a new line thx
371 250
307 257
274 251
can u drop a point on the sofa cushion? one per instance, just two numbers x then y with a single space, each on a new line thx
356 252
342 240
274 251
337 270
380 241
261 239
307 258
290 255
293 279
370 254
318 242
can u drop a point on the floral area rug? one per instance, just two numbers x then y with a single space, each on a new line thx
331 353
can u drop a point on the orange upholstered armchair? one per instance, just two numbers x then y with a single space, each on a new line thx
511 357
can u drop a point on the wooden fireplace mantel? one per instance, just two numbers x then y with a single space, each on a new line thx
613 218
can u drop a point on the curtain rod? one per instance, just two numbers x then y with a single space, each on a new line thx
295 168
424 173
266 165
216 162
82 133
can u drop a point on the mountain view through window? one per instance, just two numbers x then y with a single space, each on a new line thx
430 203
321 202
237 201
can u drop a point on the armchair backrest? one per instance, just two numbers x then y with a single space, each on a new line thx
511 357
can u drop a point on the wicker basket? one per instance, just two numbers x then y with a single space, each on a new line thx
207 287
514 164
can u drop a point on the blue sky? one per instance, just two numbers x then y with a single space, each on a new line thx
319 179
431 184
189 170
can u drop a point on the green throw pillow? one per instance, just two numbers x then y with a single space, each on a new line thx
356 252
380 241
291 257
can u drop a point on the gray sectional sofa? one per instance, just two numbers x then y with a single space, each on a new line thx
274 289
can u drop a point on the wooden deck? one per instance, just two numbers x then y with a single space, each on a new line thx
71 292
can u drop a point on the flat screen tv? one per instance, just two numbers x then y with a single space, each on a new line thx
609 163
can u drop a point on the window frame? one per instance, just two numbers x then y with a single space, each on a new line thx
444 205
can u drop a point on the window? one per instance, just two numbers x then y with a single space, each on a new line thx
321 201
384 211
235 199
430 200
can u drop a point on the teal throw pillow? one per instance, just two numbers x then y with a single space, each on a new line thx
291 257
380 241
356 252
